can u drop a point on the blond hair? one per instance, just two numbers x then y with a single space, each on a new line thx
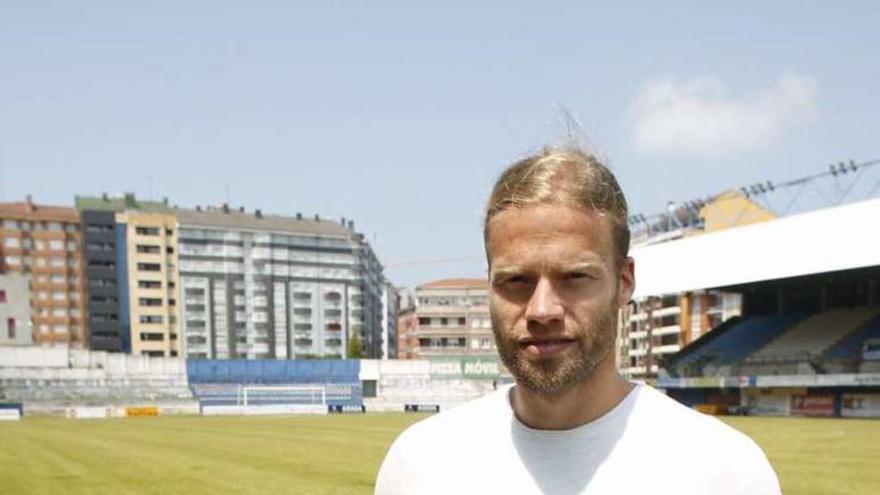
562 176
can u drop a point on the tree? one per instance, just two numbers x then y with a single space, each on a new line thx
355 347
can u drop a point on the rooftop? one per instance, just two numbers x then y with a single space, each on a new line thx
121 203
238 219
28 210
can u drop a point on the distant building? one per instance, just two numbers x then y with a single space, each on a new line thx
15 310
152 275
407 327
652 329
258 286
390 305
451 318
131 272
42 243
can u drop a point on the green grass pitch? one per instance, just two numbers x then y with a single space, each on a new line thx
338 454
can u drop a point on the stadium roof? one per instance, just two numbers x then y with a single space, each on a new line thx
820 241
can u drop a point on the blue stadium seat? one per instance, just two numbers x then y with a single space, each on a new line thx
851 345
740 340
216 382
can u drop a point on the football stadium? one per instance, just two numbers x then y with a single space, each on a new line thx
770 322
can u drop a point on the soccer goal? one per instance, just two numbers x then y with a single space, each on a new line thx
282 399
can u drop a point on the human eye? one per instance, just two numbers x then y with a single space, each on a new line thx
578 276
514 281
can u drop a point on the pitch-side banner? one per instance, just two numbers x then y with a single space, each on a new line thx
860 406
466 367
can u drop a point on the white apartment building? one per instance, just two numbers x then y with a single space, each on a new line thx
257 286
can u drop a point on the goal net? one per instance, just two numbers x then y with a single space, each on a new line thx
282 399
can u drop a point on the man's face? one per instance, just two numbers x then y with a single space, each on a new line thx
555 290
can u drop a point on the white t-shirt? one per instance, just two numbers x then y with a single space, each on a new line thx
647 444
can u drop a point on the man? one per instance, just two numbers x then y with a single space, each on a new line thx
557 241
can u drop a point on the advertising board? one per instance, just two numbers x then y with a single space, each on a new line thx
860 406
812 405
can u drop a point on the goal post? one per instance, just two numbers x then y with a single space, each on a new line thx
282 399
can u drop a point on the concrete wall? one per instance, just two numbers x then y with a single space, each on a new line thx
15 311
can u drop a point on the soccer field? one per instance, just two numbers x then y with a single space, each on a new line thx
338 454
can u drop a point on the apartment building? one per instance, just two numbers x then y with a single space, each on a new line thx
257 286
654 328
451 318
390 307
152 275
42 243
407 326
131 274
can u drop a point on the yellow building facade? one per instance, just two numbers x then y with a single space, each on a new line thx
152 262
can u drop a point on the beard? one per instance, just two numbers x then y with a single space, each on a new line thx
593 344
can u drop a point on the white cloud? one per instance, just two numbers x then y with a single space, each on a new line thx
698 116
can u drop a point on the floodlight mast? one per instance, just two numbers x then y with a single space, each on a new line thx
686 215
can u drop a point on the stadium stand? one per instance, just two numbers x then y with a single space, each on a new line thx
218 382
730 343
850 347
52 379
799 350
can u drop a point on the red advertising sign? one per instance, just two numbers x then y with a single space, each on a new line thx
812 405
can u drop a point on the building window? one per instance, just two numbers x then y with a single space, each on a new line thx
146 230
151 319
2 295
149 267
12 242
149 284
150 301
148 248
10 327
97 229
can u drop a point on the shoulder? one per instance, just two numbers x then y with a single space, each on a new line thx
728 455
431 444
461 421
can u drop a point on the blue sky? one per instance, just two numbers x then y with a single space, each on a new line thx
400 117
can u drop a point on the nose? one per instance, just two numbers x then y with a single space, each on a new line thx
544 305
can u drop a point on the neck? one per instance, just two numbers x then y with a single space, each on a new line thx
584 402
